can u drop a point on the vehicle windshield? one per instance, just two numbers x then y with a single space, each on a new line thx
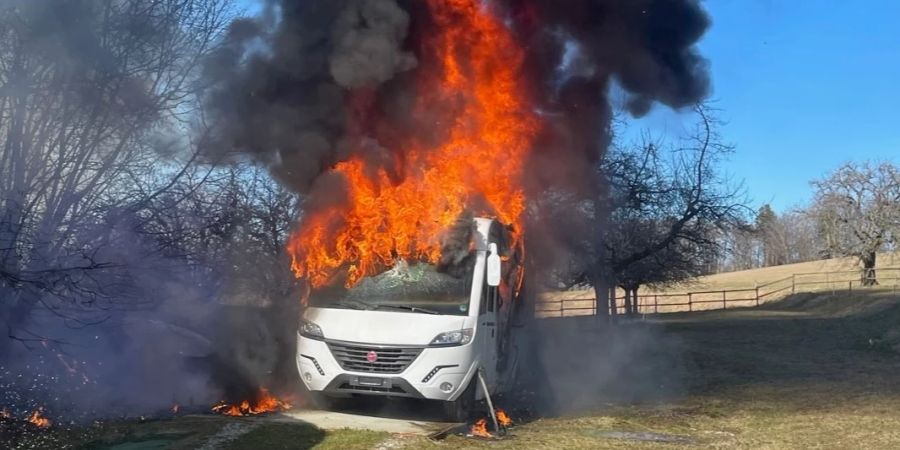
414 288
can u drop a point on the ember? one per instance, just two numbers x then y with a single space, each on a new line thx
38 419
4 414
263 403
471 83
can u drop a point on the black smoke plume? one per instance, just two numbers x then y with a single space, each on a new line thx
281 81
307 81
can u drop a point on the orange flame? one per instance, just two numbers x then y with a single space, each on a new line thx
470 83
38 419
503 418
263 403
479 429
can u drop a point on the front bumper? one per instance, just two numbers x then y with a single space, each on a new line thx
320 371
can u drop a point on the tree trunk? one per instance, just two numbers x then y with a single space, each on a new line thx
15 315
868 261
601 294
613 307
634 301
605 303
628 300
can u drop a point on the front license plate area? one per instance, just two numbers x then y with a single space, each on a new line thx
371 382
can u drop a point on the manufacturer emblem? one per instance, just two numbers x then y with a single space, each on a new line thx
371 357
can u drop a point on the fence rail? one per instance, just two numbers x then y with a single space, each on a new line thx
576 304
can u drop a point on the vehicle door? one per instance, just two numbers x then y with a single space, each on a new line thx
486 334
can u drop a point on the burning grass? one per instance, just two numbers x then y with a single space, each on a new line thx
263 402
481 427
37 419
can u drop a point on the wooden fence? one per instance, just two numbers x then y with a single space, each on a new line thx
583 302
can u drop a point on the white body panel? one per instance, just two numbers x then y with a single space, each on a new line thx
383 331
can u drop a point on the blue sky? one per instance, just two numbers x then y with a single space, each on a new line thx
804 86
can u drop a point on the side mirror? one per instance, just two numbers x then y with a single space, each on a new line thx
493 266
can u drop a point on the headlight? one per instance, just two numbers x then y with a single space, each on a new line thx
451 338
310 330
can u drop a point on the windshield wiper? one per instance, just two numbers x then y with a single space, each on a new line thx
353 304
409 308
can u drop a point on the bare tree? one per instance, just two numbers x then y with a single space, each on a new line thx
87 90
797 229
668 209
857 208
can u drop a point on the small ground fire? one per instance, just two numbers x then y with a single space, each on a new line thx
37 418
264 402
503 418
480 427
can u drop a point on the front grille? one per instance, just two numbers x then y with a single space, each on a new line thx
390 359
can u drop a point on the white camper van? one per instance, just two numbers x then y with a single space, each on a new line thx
414 331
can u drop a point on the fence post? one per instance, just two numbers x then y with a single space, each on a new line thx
793 283
829 283
757 294
655 304
724 303
690 303
850 286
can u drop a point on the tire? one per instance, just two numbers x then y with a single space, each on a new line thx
461 409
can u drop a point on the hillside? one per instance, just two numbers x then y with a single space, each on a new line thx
748 278
775 282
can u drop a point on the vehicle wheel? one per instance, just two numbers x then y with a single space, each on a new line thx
461 409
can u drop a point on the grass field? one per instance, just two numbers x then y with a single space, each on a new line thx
809 371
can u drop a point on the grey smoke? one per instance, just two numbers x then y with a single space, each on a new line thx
578 364
368 38
280 86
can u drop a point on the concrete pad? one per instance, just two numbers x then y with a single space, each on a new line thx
330 420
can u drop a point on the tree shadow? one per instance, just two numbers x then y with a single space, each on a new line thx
807 340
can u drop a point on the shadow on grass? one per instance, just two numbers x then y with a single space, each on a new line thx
189 432
816 341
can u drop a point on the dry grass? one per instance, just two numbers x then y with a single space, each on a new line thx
808 372
743 279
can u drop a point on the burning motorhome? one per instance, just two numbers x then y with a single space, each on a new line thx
425 139
411 295
414 331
